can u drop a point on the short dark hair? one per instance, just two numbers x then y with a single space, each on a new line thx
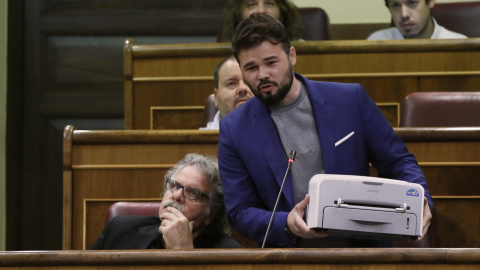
386 2
256 29
216 76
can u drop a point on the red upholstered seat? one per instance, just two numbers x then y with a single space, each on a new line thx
210 110
132 209
461 17
441 109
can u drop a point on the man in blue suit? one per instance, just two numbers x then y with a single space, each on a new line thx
335 128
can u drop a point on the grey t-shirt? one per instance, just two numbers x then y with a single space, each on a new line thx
298 131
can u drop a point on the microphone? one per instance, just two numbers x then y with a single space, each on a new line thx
291 159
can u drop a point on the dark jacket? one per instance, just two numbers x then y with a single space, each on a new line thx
141 232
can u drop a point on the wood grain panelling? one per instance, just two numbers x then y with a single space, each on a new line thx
192 117
106 165
179 117
247 259
384 89
388 70
355 31
180 90
121 183
441 175
456 229
450 83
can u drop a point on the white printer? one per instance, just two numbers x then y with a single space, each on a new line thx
365 207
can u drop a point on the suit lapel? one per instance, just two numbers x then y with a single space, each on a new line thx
325 124
271 147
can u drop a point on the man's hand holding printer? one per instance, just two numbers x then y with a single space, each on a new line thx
297 226
427 217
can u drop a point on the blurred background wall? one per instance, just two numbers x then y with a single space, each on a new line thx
358 11
3 115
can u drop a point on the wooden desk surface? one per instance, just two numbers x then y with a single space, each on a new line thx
298 259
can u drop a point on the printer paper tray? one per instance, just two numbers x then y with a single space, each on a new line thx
370 221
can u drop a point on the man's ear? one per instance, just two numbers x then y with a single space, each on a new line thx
215 96
293 55
431 4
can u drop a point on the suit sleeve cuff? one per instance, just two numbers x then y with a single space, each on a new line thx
278 235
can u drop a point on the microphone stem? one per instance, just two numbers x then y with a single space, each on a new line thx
276 203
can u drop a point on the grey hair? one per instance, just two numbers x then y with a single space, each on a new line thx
209 167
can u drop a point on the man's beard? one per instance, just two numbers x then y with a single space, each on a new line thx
173 204
410 34
270 99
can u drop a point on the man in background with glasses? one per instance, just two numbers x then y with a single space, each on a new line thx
191 215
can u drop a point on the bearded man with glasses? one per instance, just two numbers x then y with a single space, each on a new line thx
191 215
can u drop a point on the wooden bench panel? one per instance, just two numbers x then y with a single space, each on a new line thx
192 117
247 259
179 117
454 220
182 75
130 164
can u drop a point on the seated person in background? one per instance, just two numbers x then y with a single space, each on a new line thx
230 90
191 215
284 10
413 19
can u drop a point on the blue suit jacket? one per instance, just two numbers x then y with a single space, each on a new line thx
252 160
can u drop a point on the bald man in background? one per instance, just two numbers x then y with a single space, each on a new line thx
230 91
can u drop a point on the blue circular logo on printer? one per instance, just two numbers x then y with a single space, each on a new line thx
413 192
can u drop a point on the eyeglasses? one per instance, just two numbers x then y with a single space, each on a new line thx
188 192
